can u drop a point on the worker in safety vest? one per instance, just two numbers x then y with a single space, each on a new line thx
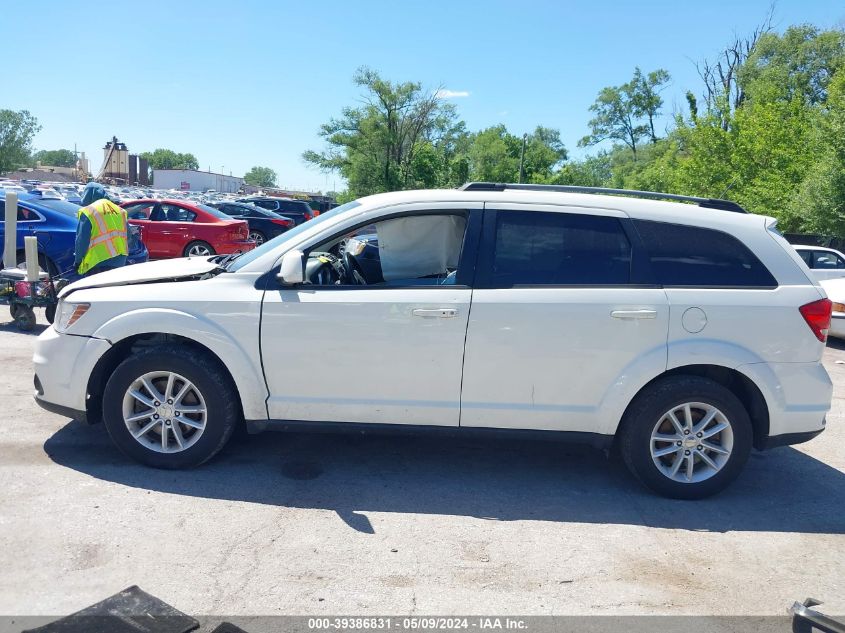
101 235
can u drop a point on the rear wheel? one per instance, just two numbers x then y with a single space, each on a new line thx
170 407
686 437
198 249
258 237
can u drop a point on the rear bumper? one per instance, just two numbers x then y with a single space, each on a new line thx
237 246
798 397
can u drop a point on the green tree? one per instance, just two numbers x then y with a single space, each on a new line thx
168 159
55 158
493 154
375 146
646 99
819 203
16 132
616 117
260 177
798 64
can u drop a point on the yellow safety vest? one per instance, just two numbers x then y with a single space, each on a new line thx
108 233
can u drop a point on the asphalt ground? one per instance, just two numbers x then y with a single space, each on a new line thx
314 524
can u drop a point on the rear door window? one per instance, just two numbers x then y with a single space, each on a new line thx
691 256
533 248
826 260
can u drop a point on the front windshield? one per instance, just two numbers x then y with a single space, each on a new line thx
270 245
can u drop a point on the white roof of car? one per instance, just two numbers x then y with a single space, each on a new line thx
807 247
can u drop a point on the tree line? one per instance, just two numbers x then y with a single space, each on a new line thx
765 127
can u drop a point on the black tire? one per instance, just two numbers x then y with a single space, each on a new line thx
652 404
258 236
209 377
50 313
25 318
186 252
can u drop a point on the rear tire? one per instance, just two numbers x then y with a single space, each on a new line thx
198 248
176 429
686 457
258 237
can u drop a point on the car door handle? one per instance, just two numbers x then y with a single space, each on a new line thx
435 313
634 314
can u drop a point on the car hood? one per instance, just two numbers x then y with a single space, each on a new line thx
161 270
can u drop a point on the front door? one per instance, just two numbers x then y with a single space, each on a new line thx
377 334
561 323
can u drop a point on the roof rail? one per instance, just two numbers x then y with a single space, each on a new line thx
707 203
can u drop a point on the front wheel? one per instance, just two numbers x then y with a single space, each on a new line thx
686 437
170 406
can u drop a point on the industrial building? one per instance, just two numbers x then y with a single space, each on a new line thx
121 167
192 180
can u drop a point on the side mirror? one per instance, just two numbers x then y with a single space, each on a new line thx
292 270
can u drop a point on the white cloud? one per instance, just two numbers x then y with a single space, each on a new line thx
451 94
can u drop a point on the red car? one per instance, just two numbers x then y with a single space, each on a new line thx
175 228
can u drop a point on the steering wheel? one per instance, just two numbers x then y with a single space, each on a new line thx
354 274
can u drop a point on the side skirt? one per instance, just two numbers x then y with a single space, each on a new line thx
596 440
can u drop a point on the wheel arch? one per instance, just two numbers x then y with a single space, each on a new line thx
743 387
124 348
148 327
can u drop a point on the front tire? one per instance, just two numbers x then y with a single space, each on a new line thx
170 407
686 437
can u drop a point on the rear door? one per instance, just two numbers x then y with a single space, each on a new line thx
177 231
563 314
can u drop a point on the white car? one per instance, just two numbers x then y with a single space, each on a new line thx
824 263
835 289
685 333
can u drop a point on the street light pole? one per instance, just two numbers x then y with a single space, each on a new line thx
522 158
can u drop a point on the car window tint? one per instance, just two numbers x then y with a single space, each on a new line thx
27 215
827 260
138 211
807 256
178 214
683 255
538 248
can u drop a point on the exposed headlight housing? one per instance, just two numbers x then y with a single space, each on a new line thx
68 313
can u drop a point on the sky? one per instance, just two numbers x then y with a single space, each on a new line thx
244 83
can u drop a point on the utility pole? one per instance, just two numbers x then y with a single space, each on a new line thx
522 158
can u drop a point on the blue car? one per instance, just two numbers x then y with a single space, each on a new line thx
53 221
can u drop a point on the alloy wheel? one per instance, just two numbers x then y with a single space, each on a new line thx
691 442
164 412
257 237
199 250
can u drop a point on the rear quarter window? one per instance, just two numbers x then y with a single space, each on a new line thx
682 255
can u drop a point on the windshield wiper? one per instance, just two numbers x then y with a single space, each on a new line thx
223 261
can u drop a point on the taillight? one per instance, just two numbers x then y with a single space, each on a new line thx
281 222
817 316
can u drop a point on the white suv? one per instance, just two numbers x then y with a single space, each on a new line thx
682 333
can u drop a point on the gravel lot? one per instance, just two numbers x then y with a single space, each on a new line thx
310 524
